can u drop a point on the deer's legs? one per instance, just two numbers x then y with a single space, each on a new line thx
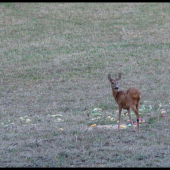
137 106
120 110
130 118
137 116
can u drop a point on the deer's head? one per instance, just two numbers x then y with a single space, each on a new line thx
114 82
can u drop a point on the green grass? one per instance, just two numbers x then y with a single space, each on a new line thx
55 59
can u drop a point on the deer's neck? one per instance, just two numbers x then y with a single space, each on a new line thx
114 92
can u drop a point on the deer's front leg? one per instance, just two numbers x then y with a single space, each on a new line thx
120 110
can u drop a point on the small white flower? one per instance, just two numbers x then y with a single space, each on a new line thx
28 120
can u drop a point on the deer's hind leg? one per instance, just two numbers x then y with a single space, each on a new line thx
134 108
137 106
130 118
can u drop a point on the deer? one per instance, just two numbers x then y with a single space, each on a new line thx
126 99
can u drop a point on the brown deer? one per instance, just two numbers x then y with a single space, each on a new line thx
126 99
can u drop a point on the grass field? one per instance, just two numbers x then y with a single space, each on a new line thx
54 63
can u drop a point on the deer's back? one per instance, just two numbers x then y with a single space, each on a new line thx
134 93
126 97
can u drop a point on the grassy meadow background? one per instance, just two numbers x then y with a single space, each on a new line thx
54 63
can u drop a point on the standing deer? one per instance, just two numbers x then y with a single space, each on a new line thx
126 99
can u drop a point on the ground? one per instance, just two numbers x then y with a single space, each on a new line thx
54 63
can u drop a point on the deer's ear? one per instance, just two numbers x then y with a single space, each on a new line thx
119 76
109 77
